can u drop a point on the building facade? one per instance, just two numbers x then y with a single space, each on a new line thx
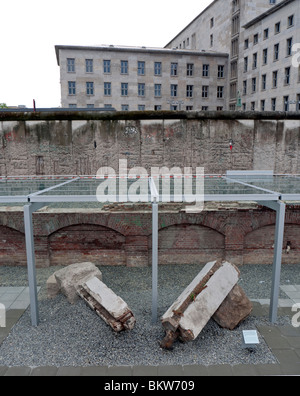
132 78
259 37
237 54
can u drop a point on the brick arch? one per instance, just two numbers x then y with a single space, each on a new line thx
59 222
209 220
12 246
258 245
87 242
187 243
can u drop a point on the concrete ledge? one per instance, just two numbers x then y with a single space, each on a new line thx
67 115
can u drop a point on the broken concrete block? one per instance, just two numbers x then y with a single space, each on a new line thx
199 301
69 277
234 309
52 287
111 308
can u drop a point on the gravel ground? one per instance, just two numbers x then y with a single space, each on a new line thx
75 336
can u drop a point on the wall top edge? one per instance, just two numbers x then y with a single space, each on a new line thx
144 115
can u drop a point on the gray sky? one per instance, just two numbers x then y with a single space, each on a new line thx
31 28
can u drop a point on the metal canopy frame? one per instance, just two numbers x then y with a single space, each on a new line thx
234 186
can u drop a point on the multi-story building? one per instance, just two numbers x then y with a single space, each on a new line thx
237 54
258 35
132 78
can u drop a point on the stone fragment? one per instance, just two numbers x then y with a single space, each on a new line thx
235 308
199 301
52 287
110 307
69 277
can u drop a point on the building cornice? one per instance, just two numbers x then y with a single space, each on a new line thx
267 13
145 50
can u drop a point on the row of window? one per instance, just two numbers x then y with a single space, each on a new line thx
141 68
141 90
264 79
265 55
287 102
141 107
266 32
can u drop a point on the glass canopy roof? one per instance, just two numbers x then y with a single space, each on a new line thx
240 186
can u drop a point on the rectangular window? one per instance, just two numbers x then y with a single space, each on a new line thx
205 71
255 39
211 40
157 107
286 103
290 21
252 106
220 71
107 89
141 89
141 68
273 104
205 91
264 82
157 68
72 87
246 44
157 90
262 105
106 66
90 88
190 69
275 79
174 69
298 103
125 107
174 90
204 108
189 91
254 64
287 76
124 89
246 64
89 66
265 56
90 106
277 27
254 84
245 87
71 65
289 46
220 92
276 52
141 107
124 67
266 34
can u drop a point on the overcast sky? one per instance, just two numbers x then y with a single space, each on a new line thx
31 28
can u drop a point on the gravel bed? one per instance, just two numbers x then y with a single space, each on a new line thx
73 335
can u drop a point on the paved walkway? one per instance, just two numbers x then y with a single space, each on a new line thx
284 342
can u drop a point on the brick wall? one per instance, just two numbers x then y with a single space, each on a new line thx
243 236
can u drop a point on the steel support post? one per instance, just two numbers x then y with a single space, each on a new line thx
279 207
28 210
279 235
154 260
